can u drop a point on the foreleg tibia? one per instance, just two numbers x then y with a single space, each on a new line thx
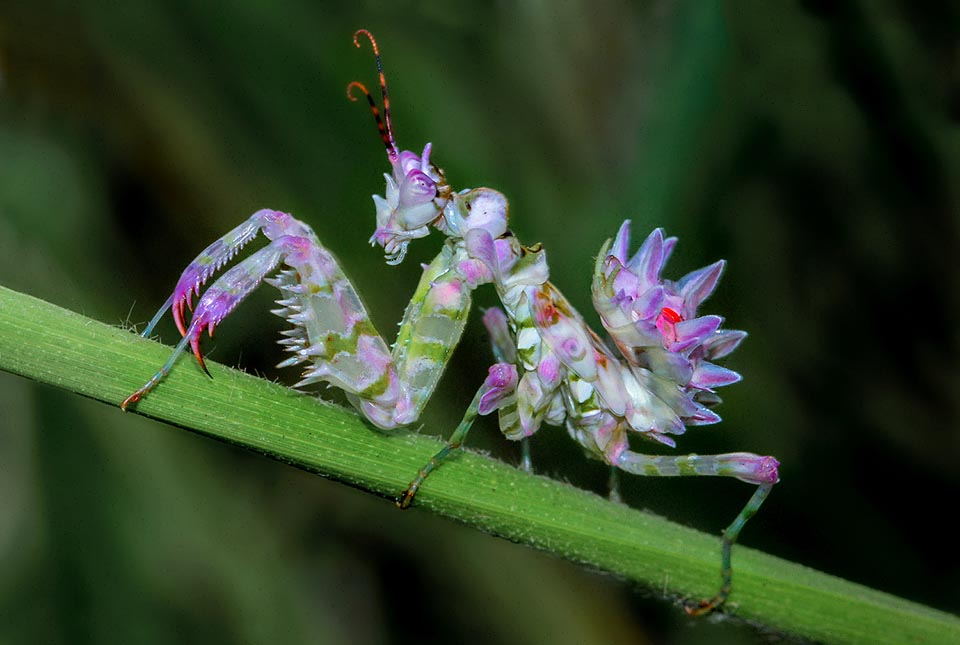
274 224
220 299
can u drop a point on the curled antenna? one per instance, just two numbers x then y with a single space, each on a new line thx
383 124
385 134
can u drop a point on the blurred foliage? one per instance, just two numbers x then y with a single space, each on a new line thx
814 145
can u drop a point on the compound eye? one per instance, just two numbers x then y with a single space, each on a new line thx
417 188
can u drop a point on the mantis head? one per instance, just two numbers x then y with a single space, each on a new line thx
416 191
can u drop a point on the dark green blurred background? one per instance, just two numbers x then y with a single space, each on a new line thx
815 145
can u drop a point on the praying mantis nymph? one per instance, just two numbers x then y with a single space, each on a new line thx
550 366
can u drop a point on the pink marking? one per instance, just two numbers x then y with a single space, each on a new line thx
447 295
495 321
621 244
347 301
370 350
546 314
611 440
382 235
276 223
475 272
625 280
425 157
572 347
549 369
406 162
667 324
506 255
751 468
501 381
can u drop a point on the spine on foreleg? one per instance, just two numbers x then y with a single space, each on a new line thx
333 332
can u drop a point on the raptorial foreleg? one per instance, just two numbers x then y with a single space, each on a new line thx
332 331
273 224
430 330
219 300
331 325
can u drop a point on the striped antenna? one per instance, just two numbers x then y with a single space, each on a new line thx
383 124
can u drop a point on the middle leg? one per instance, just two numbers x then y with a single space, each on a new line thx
498 388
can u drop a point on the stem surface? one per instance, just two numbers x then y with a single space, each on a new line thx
51 345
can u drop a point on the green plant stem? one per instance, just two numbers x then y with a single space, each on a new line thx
55 346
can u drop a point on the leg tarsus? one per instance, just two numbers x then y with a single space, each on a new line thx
729 538
406 498
156 378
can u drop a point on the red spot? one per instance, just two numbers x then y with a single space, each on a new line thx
133 398
671 315
666 323
546 312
